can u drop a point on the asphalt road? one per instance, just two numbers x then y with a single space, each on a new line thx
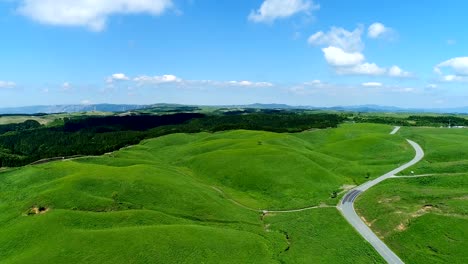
346 206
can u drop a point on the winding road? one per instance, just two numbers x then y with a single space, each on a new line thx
346 206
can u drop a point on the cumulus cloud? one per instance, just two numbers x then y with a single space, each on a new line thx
66 86
143 79
458 65
349 41
91 14
339 58
362 69
453 70
454 78
378 30
270 10
7 84
344 52
396 71
249 84
117 77
372 84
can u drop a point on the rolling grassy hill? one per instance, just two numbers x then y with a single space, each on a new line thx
425 219
169 200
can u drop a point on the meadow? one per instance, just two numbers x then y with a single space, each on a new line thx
425 219
170 199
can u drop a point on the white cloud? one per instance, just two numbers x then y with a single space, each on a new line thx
344 52
454 78
404 90
270 10
349 41
6 84
66 86
372 84
89 13
314 82
339 58
249 84
86 102
457 70
172 79
362 69
396 71
117 77
377 30
432 86
458 65
143 79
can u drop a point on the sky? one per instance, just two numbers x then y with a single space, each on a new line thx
224 52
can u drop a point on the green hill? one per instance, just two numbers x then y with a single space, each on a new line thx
170 199
425 219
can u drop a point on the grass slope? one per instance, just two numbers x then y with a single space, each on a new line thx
425 219
155 202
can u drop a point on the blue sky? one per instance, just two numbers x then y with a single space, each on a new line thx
298 52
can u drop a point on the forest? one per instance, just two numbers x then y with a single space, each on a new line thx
25 143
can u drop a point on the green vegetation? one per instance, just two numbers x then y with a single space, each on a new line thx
428 120
98 135
194 193
156 202
446 149
321 236
425 219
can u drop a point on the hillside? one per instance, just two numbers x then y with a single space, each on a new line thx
424 217
186 198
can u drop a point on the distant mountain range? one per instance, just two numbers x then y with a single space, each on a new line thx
49 109
52 109
361 108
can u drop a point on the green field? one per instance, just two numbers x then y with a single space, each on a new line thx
425 219
169 200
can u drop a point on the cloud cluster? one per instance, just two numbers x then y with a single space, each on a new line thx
145 80
91 14
378 30
270 10
340 38
343 51
372 84
248 84
7 84
117 77
458 69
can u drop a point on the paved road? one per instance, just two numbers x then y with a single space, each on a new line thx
346 206
395 130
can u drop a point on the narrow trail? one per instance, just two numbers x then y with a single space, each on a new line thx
431 175
395 130
266 211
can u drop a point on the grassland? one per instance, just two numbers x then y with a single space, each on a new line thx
425 219
156 202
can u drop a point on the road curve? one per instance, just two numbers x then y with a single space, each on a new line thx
346 206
